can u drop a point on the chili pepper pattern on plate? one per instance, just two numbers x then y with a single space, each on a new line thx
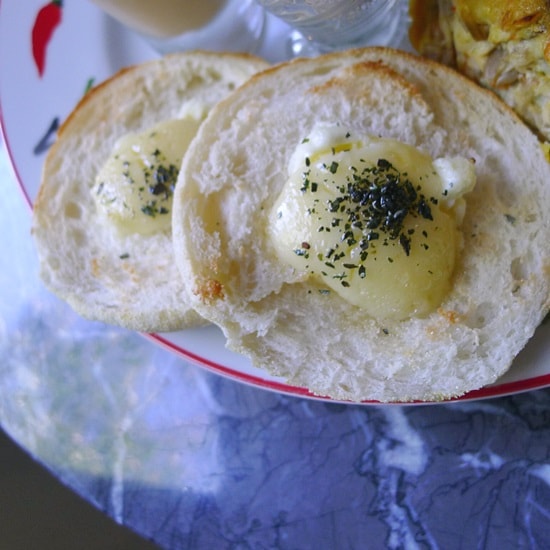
48 18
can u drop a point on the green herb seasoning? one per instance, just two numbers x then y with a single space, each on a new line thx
369 211
160 182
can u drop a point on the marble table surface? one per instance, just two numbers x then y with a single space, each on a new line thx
193 460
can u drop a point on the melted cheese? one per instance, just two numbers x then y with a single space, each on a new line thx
372 219
134 188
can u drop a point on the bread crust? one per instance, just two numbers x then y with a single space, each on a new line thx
236 168
129 281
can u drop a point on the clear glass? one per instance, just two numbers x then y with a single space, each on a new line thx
177 25
327 25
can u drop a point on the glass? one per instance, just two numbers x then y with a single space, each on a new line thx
176 25
327 25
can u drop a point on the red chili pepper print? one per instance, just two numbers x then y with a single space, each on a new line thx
47 20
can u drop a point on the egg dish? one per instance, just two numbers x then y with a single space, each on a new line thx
503 45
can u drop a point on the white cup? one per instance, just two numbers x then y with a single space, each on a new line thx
176 25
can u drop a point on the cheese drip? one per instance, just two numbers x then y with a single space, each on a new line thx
375 220
134 188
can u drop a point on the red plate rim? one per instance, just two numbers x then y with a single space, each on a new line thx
497 390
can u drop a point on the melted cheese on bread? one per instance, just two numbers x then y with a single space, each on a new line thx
134 188
373 219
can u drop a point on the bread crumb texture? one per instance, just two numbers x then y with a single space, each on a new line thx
123 277
288 323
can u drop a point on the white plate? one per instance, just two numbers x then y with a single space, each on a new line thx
86 47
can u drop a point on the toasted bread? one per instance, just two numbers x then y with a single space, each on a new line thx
124 279
237 166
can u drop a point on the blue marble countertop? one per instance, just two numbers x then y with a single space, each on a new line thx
192 460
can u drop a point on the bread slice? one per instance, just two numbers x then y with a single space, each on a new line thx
127 280
235 170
